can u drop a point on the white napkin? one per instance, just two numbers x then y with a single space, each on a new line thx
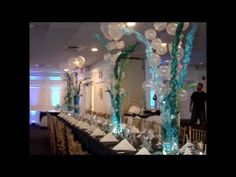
97 132
188 151
109 138
91 128
124 145
143 151
184 149
84 125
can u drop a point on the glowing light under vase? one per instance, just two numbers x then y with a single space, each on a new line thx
152 102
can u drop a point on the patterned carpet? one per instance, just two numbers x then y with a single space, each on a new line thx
39 141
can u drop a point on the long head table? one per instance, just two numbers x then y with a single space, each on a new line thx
89 143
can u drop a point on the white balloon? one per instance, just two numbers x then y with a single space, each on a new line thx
111 45
161 49
183 95
150 34
74 62
159 26
164 71
156 59
147 84
171 28
156 42
114 30
120 44
104 29
186 25
107 56
71 62
81 60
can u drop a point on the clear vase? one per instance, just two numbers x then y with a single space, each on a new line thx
170 134
117 115
76 104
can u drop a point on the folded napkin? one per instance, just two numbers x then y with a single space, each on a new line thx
109 138
98 132
188 151
84 125
78 124
124 145
91 128
185 148
143 151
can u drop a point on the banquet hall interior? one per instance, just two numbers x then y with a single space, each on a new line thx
118 88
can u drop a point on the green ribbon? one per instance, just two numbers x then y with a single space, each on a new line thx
174 66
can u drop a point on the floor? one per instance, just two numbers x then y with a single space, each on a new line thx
39 141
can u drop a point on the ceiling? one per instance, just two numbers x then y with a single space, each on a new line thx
49 42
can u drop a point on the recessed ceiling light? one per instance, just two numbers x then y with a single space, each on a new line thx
130 23
167 61
94 49
201 63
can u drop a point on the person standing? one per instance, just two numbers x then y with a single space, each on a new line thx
197 105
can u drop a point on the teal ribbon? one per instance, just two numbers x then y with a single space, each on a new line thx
187 54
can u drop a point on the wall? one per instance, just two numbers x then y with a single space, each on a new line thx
46 91
95 88
132 83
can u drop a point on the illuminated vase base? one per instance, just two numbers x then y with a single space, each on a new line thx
117 125
170 148
117 130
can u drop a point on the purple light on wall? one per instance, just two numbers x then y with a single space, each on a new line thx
34 95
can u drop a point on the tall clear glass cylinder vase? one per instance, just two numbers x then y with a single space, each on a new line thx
170 134
117 115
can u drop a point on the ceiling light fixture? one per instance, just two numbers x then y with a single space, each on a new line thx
94 49
130 23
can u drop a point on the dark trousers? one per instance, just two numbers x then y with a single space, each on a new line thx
198 115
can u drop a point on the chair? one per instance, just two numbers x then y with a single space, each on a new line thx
74 147
182 135
52 136
137 123
196 135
